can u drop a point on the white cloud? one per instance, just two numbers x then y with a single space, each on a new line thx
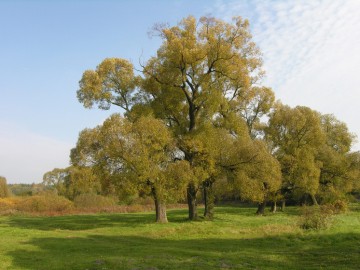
311 51
25 156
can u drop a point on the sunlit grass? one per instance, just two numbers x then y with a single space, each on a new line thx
236 239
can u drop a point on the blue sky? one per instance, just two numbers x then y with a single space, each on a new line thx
311 52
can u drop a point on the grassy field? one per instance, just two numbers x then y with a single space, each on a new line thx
236 239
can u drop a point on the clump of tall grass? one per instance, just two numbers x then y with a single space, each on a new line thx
315 217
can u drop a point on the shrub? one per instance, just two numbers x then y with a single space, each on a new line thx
44 204
340 206
135 199
84 201
315 217
8 204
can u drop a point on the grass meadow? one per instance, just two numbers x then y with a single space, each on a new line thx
236 239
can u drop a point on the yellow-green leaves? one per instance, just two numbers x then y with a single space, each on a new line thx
257 174
199 66
113 82
138 155
252 105
72 181
293 128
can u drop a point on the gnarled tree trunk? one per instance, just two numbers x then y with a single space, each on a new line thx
261 208
192 204
209 199
160 207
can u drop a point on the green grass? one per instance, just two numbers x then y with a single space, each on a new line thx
236 239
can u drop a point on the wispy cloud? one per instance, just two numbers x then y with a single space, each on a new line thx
311 51
25 156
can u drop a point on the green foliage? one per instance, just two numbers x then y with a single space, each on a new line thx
193 117
313 151
203 84
72 181
340 168
91 200
258 174
112 82
254 104
294 135
135 155
4 191
21 189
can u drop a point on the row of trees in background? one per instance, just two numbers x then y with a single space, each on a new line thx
196 119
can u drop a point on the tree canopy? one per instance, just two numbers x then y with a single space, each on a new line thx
196 114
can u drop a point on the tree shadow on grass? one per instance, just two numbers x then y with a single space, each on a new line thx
95 252
250 211
88 222
81 222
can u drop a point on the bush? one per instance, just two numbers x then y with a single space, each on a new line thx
84 201
340 206
315 217
8 204
135 199
44 204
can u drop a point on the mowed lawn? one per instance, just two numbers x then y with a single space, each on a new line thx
236 239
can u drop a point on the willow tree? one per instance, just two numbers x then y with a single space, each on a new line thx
295 135
72 181
199 73
137 155
257 177
337 170
203 70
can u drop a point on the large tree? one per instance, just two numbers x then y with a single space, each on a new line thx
205 72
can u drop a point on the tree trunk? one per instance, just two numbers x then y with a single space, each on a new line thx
313 199
209 199
160 207
192 204
273 207
261 208
283 204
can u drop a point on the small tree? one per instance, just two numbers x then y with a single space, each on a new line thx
4 191
72 181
